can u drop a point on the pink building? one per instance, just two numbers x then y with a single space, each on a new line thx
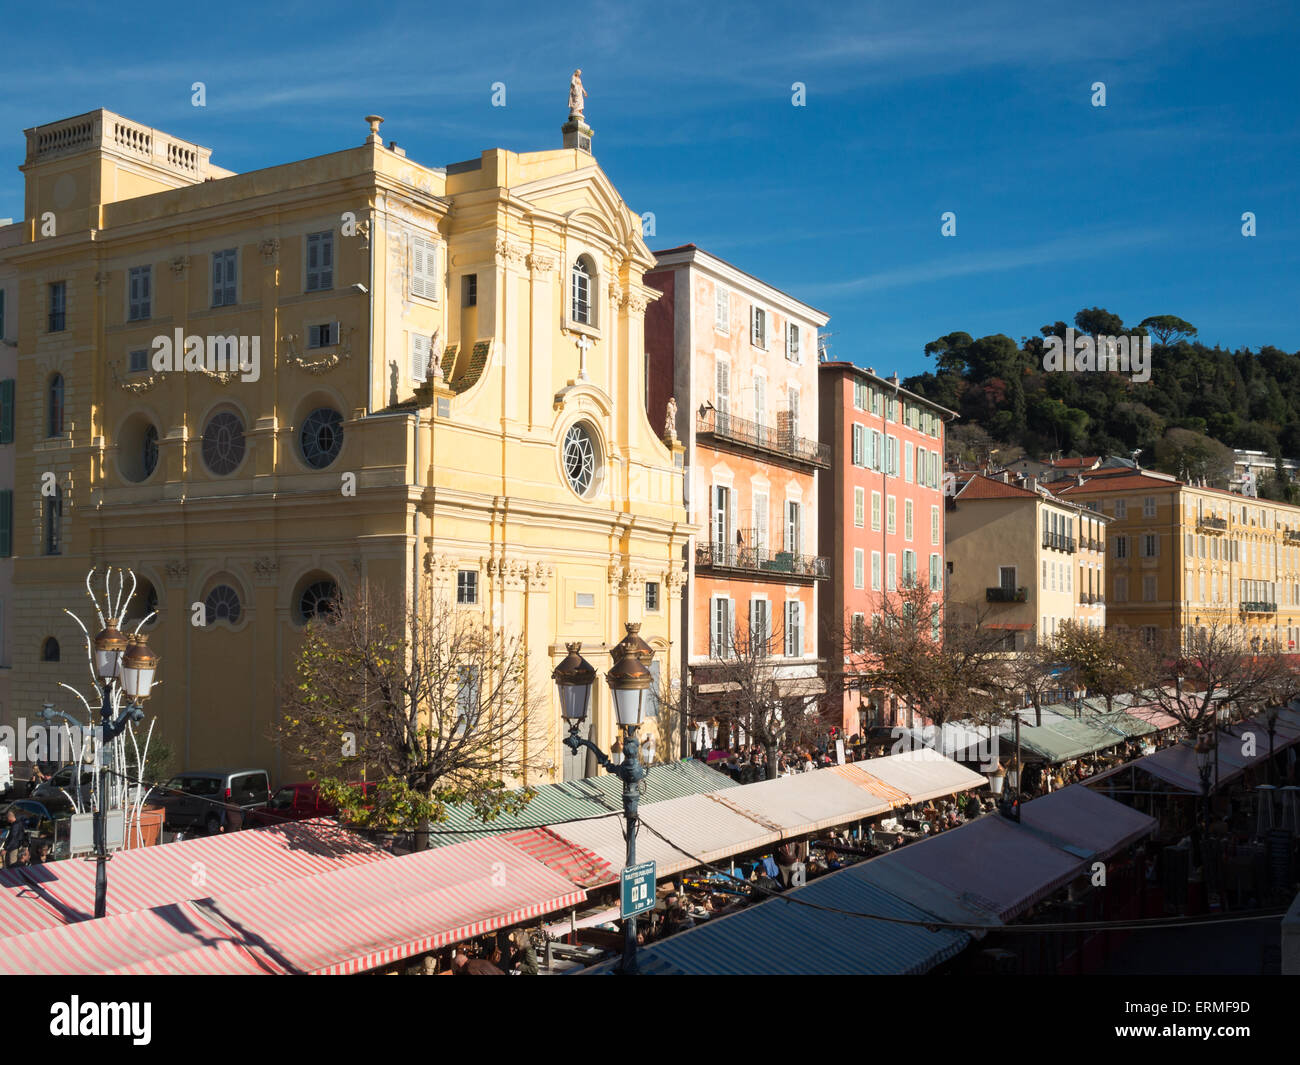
882 517
739 357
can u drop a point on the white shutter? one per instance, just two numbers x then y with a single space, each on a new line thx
761 520
753 326
419 357
734 499
799 525
722 391
760 400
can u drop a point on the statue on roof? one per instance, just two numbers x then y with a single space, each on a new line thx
576 93
434 372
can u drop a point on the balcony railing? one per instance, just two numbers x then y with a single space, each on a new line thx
1059 542
1258 607
1091 598
1213 524
1292 536
777 442
1089 544
760 561
1006 595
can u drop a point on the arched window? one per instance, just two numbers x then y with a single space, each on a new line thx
582 292
53 521
54 407
317 600
50 650
222 604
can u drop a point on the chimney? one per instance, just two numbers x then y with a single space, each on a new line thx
1031 483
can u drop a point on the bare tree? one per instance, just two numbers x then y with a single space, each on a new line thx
944 663
1217 666
424 695
747 671
1031 673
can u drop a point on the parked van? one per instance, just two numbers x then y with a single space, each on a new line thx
6 774
201 798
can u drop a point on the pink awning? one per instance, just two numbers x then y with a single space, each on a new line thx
990 865
346 921
60 893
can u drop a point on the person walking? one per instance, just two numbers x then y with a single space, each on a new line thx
15 839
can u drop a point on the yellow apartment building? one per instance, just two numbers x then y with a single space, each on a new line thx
1023 559
448 383
1182 557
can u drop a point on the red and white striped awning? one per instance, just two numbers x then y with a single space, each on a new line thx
583 867
346 921
60 893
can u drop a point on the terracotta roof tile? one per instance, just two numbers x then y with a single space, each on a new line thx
981 487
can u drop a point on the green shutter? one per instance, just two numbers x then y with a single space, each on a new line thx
7 411
6 520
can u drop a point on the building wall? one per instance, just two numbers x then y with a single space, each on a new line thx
843 537
471 477
686 341
1254 546
10 237
983 535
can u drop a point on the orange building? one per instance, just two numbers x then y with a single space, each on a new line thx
739 360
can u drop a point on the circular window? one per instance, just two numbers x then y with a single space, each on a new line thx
322 437
138 448
317 600
143 604
150 447
222 604
579 458
223 443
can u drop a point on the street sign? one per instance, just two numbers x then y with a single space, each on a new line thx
638 889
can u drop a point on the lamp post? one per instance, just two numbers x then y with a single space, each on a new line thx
629 682
1204 769
127 662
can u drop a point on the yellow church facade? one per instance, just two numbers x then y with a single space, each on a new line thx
256 389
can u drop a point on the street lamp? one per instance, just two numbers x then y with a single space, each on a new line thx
133 671
1204 768
629 682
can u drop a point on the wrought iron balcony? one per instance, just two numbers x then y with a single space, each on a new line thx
1292 536
1091 598
1213 524
1089 544
761 562
1006 595
1059 542
1258 607
777 443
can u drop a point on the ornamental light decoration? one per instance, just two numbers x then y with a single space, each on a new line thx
124 664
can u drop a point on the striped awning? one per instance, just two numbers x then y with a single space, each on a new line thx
572 862
61 893
346 921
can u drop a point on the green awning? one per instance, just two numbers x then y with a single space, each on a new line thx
574 800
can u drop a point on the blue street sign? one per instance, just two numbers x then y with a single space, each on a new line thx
638 883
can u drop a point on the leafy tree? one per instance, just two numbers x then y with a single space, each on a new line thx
1098 322
1191 456
1100 660
426 698
1168 328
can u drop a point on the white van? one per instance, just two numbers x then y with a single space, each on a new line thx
6 773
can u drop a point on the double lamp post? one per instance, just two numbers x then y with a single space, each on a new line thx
629 682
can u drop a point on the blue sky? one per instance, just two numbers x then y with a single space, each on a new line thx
912 110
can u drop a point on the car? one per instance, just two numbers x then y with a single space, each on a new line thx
59 791
199 798
300 802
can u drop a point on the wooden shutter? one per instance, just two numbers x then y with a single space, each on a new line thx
6 520
7 411
419 357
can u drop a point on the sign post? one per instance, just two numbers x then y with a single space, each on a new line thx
638 889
